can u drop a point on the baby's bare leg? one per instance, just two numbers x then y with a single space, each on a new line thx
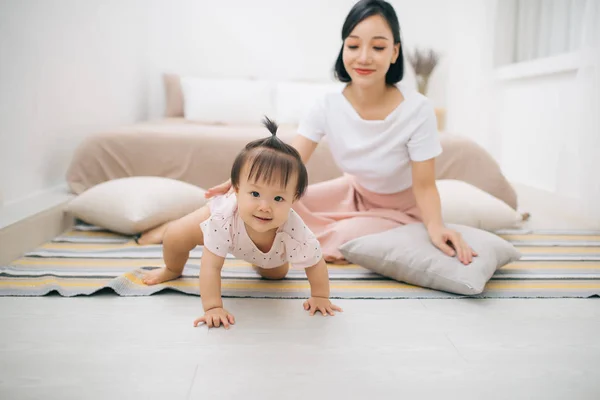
276 273
180 238
154 235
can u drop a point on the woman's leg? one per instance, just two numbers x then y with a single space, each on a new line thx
323 200
348 229
338 211
322 196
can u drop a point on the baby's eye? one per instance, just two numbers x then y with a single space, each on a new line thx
255 194
278 198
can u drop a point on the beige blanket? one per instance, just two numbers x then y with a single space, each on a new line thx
203 154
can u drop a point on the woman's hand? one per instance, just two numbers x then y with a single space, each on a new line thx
221 189
451 243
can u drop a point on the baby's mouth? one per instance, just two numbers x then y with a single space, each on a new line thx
262 218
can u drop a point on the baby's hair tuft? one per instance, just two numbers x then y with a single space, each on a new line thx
270 125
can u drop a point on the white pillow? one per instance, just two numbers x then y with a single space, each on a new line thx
465 204
227 101
293 100
406 254
136 204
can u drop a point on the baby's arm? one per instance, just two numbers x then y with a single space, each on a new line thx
210 292
318 277
210 280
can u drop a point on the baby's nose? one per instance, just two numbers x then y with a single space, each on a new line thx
264 205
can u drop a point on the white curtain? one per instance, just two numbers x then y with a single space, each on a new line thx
530 29
545 28
587 112
579 121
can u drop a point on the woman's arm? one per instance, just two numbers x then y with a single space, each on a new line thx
426 193
428 201
305 147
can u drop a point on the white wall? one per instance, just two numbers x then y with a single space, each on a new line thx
534 134
469 86
544 145
69 68
531 124
269 39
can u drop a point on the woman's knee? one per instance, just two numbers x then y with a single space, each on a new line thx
277 273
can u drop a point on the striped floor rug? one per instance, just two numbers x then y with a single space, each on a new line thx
86 260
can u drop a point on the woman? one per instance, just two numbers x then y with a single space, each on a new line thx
382 135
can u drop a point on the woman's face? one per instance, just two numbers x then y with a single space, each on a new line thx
369 50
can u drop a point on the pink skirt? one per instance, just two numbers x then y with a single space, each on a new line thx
340 210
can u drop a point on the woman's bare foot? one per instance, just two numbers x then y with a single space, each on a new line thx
159 275
336 261
153 236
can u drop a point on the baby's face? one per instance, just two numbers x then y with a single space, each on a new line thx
264 207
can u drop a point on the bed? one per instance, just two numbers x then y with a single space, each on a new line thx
202 154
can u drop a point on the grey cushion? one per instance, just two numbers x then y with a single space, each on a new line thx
406 254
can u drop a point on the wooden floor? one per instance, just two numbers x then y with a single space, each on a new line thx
105 347
108 347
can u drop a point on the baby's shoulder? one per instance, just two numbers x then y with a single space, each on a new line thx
223 207
296 229
218 229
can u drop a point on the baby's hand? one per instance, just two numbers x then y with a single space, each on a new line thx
321 304
215 317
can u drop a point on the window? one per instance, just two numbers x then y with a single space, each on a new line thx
528 30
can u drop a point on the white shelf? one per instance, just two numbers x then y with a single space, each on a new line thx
568 62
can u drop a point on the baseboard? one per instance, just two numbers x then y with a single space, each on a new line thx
32 221
14 211
31 232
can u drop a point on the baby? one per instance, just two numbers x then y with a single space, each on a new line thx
254 223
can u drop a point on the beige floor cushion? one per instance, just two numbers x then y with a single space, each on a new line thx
136 204
465 204
406 254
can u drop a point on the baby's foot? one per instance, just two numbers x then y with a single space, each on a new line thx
159 275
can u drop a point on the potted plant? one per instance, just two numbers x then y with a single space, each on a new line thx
423 63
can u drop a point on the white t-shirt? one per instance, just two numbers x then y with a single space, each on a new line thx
376 153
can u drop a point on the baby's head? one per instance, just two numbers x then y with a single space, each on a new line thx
268 176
